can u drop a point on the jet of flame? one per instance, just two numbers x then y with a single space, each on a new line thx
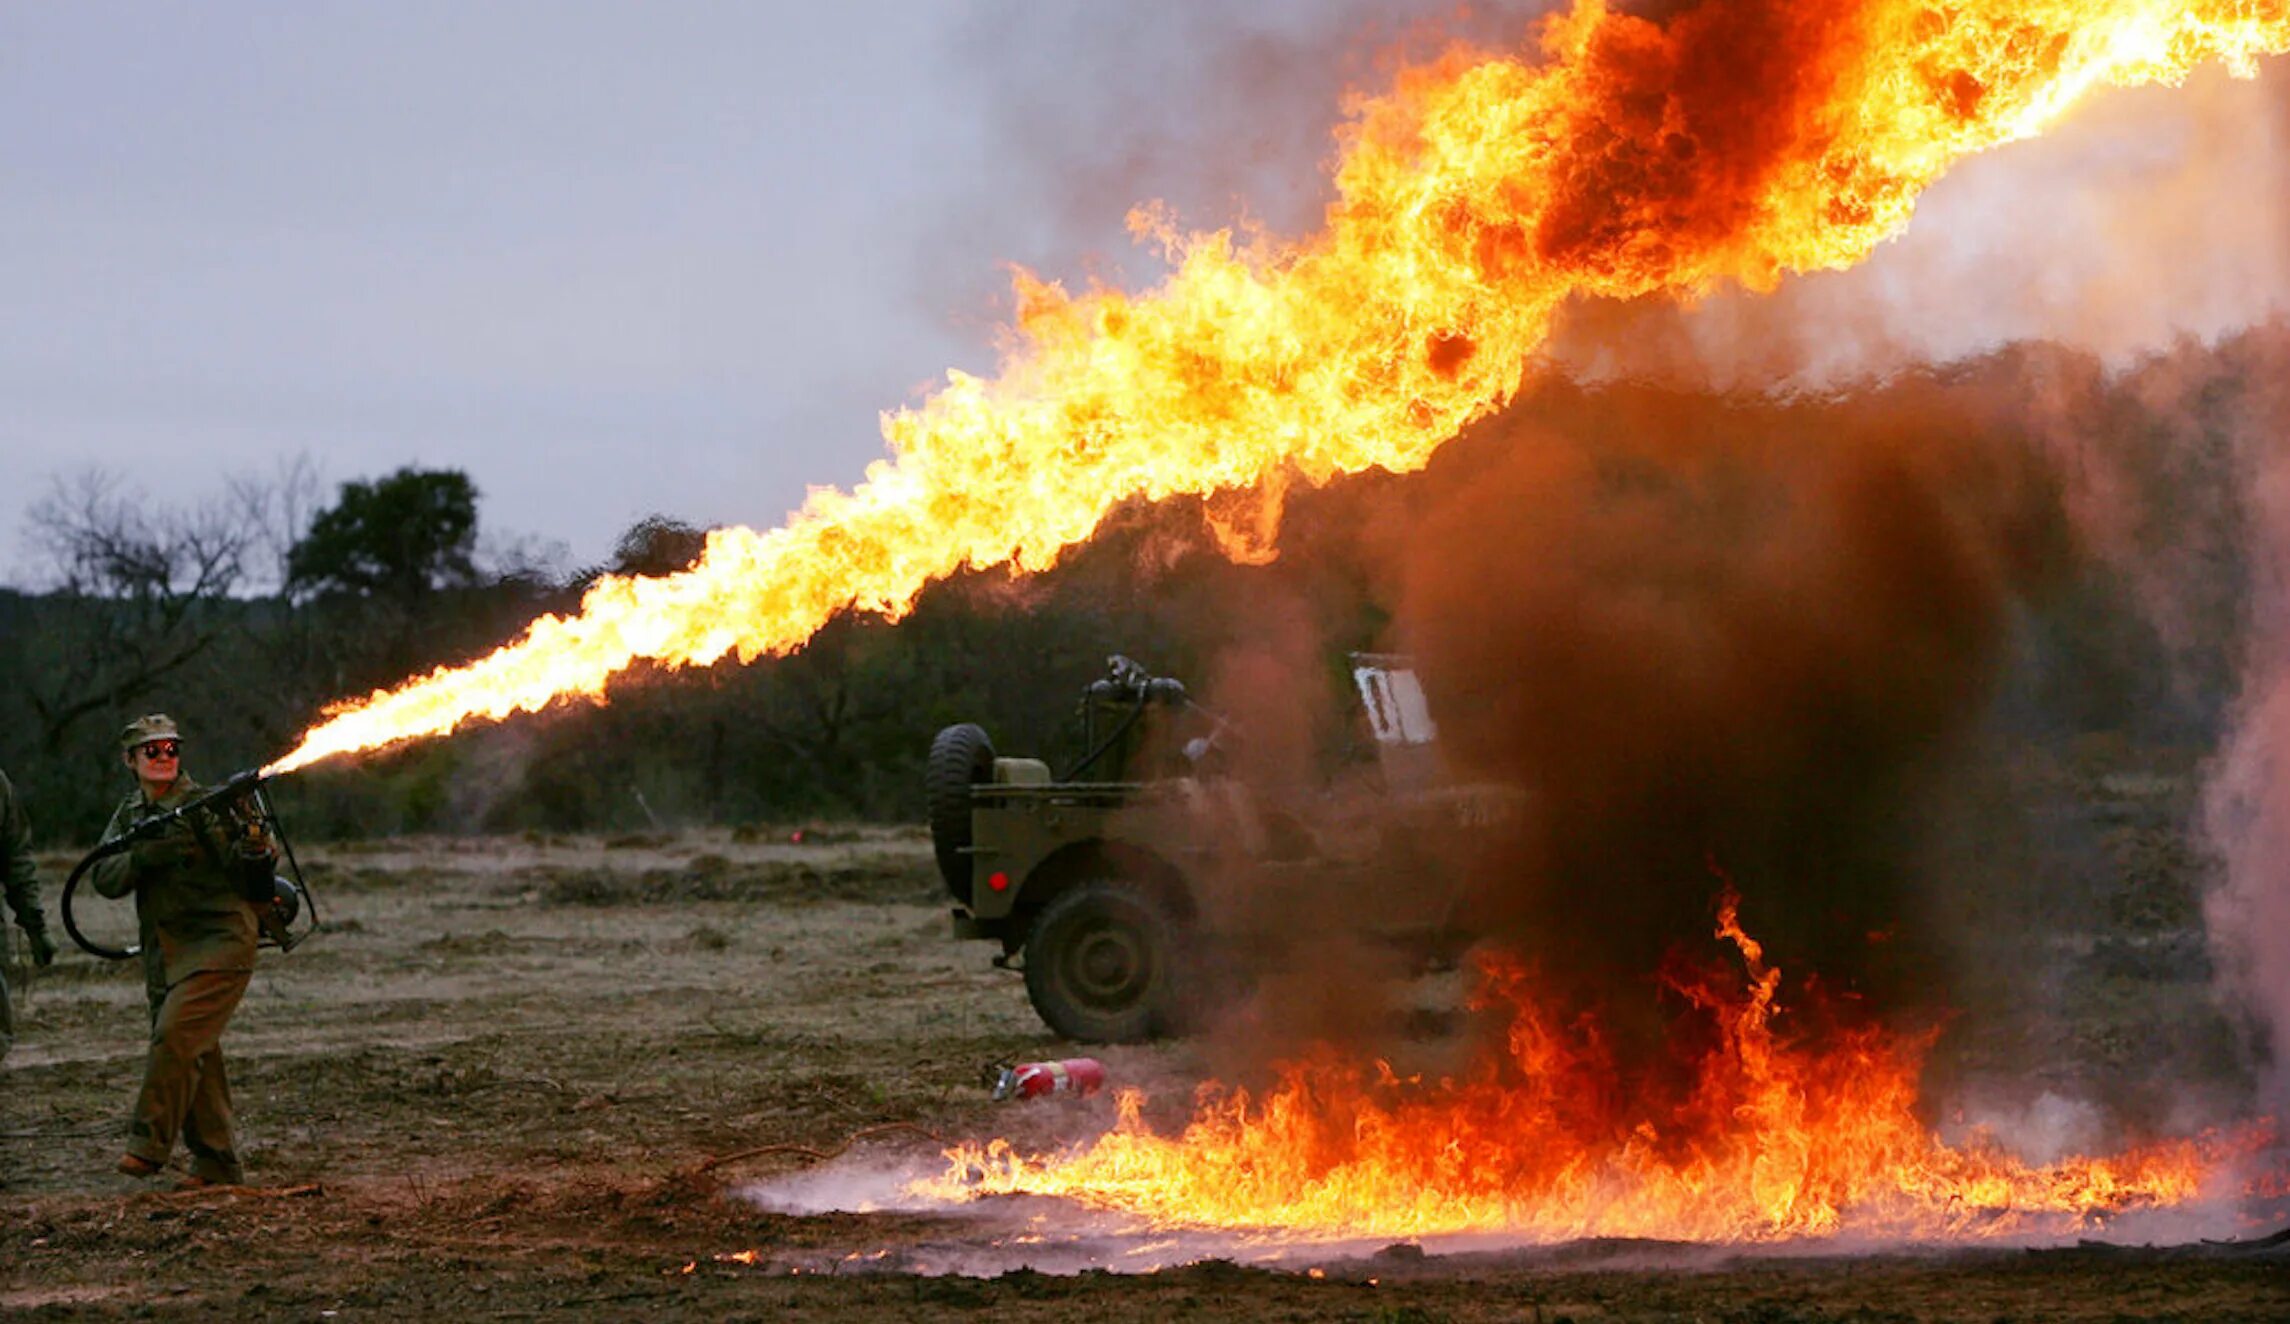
1737 140
1545 1141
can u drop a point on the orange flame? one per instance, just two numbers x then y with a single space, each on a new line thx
1737 141
1772 1139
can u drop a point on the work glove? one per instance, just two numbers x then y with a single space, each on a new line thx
43 946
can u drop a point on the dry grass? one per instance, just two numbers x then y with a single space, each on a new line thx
506 1067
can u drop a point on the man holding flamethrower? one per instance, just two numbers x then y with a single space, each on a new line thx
196 882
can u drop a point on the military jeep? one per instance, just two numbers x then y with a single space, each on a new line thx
1132 886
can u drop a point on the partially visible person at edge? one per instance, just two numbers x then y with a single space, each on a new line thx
22 885
198 934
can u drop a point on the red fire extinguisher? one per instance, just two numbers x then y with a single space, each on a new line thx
1032 1080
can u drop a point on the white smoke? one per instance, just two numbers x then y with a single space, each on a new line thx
2248 805
2151 216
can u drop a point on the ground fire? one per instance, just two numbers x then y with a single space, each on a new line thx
1728 143
1767 1134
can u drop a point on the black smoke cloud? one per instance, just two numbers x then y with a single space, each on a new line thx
1931 671
1722 639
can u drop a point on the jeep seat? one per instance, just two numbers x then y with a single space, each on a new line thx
1021 772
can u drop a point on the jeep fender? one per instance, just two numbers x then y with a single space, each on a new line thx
1084 860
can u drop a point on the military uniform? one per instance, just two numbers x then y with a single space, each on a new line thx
22 885
198 935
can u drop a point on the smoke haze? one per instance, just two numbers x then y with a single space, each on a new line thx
2248 807
1920 669
1723 640
2150 216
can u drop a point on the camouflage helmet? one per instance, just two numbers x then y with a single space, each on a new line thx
150 726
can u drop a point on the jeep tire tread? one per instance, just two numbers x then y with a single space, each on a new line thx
961 757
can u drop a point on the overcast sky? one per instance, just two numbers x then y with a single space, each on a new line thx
614 259
609 258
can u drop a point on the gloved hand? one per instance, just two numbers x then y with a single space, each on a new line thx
162 853
43 946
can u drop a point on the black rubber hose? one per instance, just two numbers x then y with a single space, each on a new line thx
71 886
1143 702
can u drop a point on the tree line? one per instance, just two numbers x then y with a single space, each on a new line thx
246 614
246 637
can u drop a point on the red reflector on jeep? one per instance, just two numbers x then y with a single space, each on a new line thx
999 881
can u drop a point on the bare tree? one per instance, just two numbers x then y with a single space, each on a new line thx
278 511
826 698
139 586
522 558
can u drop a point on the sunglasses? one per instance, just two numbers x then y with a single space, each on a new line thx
160 749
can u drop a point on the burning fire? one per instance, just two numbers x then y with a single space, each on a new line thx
1736 141
1772 1138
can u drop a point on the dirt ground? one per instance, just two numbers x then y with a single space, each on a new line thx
528 1077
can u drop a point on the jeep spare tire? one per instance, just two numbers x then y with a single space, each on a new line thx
1101 964
961 757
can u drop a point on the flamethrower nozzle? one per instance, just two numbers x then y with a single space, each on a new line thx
232 789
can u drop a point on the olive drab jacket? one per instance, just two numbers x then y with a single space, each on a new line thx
191 911
17 876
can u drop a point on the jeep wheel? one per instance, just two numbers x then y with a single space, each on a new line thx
1101 964
960 758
